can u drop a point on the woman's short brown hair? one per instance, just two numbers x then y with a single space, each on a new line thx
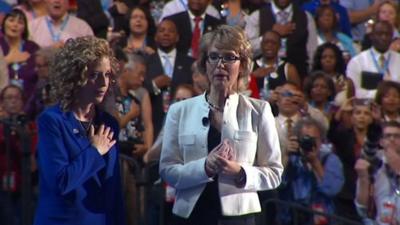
229 38
68 70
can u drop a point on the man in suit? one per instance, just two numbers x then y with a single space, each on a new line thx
375 64
296 27
167 68
192 24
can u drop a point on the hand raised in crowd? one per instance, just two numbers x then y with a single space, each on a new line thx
263 71
284 29
393 158
102 139
293 145
299 99
361 167
122 8
140 150
162 81
376 112
273 95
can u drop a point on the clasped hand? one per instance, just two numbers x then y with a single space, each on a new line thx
102 139
222 160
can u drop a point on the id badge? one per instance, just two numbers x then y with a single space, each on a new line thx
9 182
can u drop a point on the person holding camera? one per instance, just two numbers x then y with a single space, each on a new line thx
378 183
292 106
313 175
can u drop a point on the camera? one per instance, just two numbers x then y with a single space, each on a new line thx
307 143
371 147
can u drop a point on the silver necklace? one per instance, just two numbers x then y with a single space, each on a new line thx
212 106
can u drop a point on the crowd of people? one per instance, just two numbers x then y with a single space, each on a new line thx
238 104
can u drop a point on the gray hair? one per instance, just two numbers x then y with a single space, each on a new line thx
307 122
133 60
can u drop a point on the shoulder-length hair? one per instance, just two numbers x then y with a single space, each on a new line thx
228 38
19 14
68 70
340 66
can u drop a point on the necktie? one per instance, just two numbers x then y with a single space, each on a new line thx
168 67
196 37
283 17
289 127
382 62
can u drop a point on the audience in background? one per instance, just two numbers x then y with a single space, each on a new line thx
192 24
313 175
33 8
19 52
328 31
388 98
140 37
360 11
378 180
296 27
58 26
167 68
270 71
16 165
340 12
284 44
375 64
348 132
40 98
319 90
329 59
176 6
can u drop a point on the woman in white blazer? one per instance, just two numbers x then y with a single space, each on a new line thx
221 147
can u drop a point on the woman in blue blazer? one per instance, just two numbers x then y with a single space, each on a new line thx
222 147
77 155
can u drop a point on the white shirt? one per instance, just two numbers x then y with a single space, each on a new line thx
74 27
171 56
192 22
365 62
177 6
252 30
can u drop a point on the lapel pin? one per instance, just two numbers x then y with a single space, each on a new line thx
75 131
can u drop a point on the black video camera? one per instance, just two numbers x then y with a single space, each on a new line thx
371 147
307 143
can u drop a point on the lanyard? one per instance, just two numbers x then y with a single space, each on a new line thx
56 37
385 64
16 66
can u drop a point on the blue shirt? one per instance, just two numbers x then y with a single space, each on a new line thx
358 30
344 20
300 185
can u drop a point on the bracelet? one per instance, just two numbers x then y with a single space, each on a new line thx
156 90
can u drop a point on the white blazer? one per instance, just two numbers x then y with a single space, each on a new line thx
250 126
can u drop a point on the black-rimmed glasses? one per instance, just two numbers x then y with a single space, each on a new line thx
227 58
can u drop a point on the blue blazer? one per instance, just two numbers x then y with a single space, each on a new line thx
77 185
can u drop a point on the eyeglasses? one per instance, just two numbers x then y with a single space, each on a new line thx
389 135
287 94
228 58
